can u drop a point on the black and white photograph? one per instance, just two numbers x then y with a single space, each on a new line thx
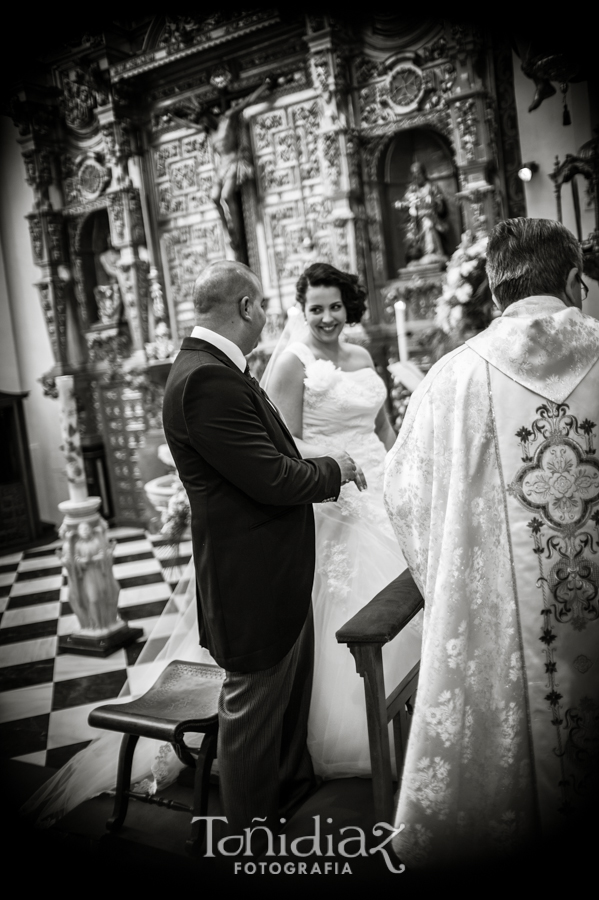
299 470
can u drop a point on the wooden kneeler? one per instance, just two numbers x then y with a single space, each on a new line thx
374 625
183 699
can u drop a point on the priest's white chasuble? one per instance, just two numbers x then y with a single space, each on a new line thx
493 491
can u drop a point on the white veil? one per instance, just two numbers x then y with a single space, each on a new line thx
94 769
295 329
175 636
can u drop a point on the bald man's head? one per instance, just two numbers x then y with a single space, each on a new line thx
228 299
220 287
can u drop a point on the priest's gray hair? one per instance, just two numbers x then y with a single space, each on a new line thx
530 257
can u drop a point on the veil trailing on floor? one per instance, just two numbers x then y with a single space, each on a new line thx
175 636
94 769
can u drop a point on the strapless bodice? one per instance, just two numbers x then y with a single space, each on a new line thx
339 412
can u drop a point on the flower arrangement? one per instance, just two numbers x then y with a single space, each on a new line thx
176 517
466 304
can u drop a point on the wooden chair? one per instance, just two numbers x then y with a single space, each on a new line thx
365 634
183 699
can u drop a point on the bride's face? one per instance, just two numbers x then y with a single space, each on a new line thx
325 313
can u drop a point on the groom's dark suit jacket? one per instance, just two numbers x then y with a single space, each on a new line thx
250 493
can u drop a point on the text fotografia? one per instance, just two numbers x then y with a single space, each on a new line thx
349 844
292 868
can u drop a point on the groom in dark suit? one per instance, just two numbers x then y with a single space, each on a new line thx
253 545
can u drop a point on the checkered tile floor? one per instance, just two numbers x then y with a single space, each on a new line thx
46 695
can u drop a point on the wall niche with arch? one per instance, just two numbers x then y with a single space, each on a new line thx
429 147
101 289
98 289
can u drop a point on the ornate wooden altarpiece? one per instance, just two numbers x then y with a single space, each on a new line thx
123 220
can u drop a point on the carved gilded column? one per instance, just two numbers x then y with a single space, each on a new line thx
126 225
35 110
52 297
472 118
127 235
47 232
328 70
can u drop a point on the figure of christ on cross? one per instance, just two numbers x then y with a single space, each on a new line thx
232 167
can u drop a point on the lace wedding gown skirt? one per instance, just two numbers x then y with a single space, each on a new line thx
356 556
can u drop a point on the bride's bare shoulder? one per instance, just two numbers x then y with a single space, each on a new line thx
358 357
288 368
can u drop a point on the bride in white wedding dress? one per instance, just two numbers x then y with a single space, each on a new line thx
332 399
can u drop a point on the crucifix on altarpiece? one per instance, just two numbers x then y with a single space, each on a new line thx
233 164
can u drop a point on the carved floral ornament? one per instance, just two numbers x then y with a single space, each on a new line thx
83 91
116 140
78 103
221 77
37 241
170 36
109 346
92 176
424 93
321 70
54 310
38 171
406 87
467 123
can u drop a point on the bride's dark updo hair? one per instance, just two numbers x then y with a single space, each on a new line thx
324 275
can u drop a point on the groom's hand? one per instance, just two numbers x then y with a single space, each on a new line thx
350 471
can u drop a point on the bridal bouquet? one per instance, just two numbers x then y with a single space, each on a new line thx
466 306
176 517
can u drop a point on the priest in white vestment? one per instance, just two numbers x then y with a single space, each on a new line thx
493 491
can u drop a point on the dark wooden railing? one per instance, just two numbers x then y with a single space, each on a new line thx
365 634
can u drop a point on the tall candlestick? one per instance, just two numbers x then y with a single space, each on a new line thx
71 439
400 321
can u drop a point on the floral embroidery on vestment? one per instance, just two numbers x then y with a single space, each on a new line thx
559 483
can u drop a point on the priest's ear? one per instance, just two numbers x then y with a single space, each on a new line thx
573 289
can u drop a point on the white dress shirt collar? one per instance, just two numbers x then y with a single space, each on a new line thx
228 347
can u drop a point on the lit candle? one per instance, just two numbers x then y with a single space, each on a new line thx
400 321
71 439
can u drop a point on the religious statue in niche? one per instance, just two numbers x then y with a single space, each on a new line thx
233 166
108 294
427 219
103 273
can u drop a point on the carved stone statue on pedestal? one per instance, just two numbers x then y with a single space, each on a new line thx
93 590
427 211
86 552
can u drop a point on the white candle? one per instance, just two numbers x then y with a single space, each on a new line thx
71 439
400 321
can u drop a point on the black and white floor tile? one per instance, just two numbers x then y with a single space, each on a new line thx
46 695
